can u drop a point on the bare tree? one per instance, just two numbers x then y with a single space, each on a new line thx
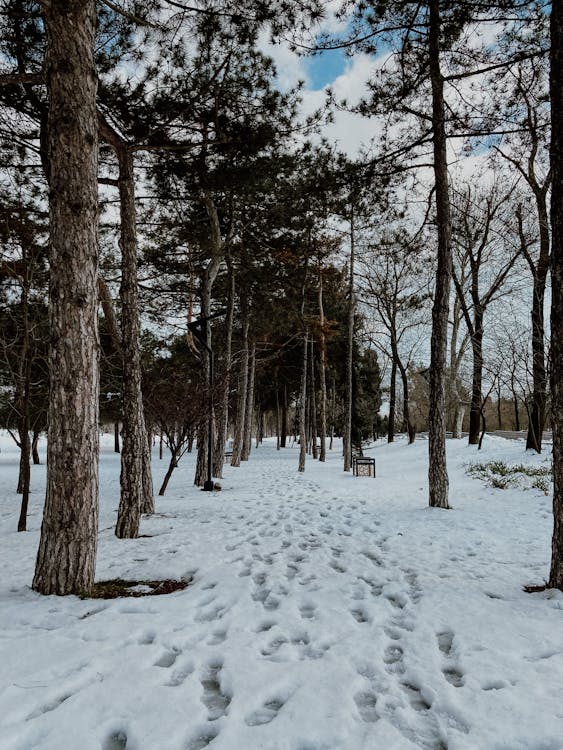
483 247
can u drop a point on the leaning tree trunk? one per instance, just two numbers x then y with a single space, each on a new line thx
67 549
171 466
249 409
438 482
556 87
302 407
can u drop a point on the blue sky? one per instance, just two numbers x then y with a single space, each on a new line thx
324 68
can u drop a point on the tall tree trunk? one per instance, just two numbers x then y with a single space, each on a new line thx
456 357
313 401
202 449
332 413
302 407
25 473
392 403
66 557
322 371
499 409
539 375
134 437
477 379
278 419
556 88
438 483
406 405
223 407
347 443
204 445
516 413
249 410
116 448
241 401
284 429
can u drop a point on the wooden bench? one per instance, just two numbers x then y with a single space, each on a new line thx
363 466
228 457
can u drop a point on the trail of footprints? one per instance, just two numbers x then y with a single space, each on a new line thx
295 543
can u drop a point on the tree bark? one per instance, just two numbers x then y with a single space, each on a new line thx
241 401
302 407
34 448
283 428
347 442
313 402
223 407
171 466
556 154
477 378
67 549
249 410
322 371
438 483
516 413
411 433
392 403
134 438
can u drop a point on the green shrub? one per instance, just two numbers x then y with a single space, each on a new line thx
500 475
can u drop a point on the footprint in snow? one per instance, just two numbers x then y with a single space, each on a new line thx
274 646
266 625
416 699
393 658
307 611
218 636
366 703
451 672
204 738
167 659
338 567
360 615
215 613
453 676
266 713
291 571
180 675
115 741
445 641
214 699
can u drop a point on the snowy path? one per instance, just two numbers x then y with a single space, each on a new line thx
326 612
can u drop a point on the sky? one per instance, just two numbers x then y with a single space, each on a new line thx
346 76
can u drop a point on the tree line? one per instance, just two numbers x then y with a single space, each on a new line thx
155 170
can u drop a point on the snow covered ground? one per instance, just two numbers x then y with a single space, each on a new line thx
327 612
